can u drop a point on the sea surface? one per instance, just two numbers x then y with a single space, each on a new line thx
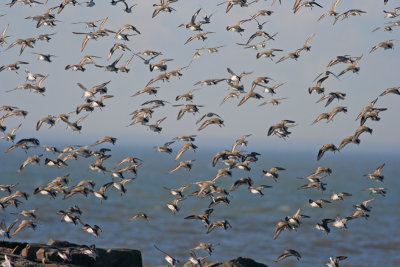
372 242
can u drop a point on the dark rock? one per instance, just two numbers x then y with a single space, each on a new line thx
238 262
119 257
203 263
15 247
11 245
83 259
60 244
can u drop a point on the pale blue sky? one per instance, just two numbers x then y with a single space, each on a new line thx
352 36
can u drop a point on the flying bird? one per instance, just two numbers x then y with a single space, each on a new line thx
287 253
376 175
324 148
389 44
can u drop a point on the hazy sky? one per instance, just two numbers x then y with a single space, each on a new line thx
352 36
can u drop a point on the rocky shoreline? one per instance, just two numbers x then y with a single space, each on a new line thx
65 254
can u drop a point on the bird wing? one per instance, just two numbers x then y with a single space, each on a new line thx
15 129
321 152
245 98
375 47
104 187
335 5
279 227
81 119
159 122
84 42
39 83
176 168
309 39
330 99
159 77
378 170
193 19
283 58
3 33
8 229
323 98
230 71
156 11
204 124
23 224
181 151
161 250
191 38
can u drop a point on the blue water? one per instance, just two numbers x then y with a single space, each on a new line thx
372 242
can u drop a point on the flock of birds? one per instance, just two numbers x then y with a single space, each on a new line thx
126 169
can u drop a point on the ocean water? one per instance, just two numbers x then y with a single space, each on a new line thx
372 242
